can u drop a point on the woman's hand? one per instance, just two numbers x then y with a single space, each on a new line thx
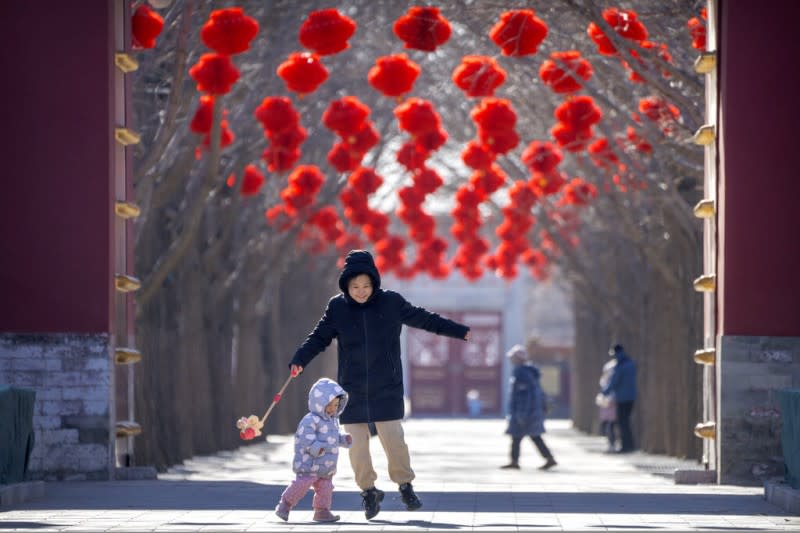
466 337
296 370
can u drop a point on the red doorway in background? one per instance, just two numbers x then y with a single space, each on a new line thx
442 371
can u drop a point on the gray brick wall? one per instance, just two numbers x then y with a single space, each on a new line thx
71 375
751 371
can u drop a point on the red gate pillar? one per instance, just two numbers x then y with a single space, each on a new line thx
62 243
757 246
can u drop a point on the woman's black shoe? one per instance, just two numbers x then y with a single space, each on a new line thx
409 498
372 502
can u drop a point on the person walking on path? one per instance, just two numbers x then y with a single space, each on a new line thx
607 406
316 451
366 321
526 408
623 385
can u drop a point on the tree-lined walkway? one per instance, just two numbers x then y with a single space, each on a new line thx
458 479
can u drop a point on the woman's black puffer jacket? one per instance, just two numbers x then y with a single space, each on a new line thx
368 337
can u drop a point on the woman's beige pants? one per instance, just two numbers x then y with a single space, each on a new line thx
393 441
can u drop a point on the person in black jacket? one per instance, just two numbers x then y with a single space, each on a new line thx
366 322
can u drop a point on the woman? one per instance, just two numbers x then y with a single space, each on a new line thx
366 321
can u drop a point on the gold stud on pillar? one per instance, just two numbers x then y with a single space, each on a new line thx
705 208
124 356
706 283
126 137
705 62
125 62
706 430
706 356
125 283
127 428
126 209
705 135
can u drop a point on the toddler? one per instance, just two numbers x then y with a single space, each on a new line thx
316 451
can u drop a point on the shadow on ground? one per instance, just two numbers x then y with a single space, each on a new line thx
239 495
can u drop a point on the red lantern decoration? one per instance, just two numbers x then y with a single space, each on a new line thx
214 73
658 110
499 141
412 156
570 138
602 154
542 156
417 116
698 32
563 70
229 31
146 25
547 184
427 180
494 114
343 159
307 178
431 140
488 181
326 32
477 156
518 32
203 116
521 196
345 116
579 112
422 28
290 138
478 75
411 196
393 75
252 181
626 23
280 158
365 180
579 192
364 139
302 72
604 45
276 113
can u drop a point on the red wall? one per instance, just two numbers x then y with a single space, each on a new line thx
57 134
759 238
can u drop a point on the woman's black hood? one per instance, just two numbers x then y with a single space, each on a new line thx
359 262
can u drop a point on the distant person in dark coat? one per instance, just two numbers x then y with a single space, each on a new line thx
526 408
623 385
366 321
